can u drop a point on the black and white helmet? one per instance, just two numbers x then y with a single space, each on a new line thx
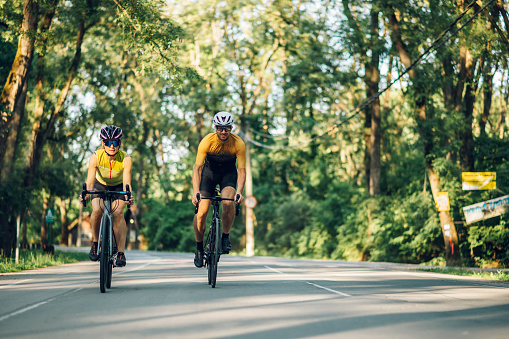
111 133
223 119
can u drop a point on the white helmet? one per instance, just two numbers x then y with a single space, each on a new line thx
223 119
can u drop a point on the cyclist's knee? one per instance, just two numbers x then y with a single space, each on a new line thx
200 216
119 213
227 204
97 212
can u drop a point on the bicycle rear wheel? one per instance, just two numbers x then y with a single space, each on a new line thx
104 254
216 251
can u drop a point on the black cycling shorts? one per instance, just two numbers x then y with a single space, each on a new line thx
100 187
210 179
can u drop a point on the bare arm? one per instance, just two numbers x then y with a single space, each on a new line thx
241 182
196 182
128 165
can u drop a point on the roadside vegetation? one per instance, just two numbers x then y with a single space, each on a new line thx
498 275
33 259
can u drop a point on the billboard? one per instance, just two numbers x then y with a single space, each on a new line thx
487 209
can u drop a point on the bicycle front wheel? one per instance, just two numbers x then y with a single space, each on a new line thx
109 266
209 251
104 253
112 246
216 251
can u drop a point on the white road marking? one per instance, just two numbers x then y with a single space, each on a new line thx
329 289
28 308
307 282
7 316
273 269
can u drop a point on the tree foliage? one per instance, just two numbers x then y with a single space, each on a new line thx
298 77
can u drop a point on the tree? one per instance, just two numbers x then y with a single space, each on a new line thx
13 90
141 27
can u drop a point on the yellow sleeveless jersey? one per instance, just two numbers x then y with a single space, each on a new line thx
219 151
110 173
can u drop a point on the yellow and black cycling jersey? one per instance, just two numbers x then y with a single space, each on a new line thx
108 172
218 153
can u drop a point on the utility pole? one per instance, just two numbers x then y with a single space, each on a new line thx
249 193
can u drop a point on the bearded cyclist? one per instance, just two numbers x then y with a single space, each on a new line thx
109 168
215 165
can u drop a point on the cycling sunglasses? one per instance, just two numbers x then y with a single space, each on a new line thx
224 129
109 143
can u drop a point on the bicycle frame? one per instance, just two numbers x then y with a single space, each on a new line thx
213 244
106 234
107 214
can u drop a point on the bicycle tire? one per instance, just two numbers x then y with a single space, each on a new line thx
110 263
208 258
104 257
215 253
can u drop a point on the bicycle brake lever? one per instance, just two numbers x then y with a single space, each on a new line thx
196 206
84 195
128 196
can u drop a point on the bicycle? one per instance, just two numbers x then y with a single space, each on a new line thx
213 250
107 242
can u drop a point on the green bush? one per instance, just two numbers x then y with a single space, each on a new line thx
169 227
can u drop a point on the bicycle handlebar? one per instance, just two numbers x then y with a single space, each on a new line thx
84 193
217 198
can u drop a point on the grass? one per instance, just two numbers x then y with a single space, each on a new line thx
499 275
32 259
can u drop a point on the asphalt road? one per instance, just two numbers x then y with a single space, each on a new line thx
162 295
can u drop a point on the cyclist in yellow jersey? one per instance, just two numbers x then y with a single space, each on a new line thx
215 165
109 168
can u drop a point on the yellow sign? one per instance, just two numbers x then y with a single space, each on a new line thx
442 201
479 180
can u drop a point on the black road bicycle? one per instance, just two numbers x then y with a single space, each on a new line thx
212 250
107 241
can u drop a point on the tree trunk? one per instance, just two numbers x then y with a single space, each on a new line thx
367 142
488 93
467 147
12 142
12 91
452 253
373 81
504 101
